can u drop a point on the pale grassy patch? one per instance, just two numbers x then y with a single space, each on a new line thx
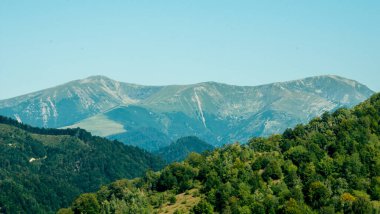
99 125
185 201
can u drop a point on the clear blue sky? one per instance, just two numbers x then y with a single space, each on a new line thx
46 43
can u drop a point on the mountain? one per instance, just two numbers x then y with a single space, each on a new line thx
330 165
180 149
44 169
66 104
153 117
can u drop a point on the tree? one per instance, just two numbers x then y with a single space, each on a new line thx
298 154
86 204
375 188
318 194
273 171
346 200
172 199
203 207
294 207
177 175
362 206
65 211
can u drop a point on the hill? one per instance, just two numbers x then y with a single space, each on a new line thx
44 169
330 165
180 149
217 112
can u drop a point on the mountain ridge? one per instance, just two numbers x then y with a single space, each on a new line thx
221 112
103 77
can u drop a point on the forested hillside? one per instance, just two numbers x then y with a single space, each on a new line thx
42 170
180 149
331 165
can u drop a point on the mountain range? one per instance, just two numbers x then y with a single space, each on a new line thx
153 117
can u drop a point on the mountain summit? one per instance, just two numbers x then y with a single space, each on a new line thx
218 112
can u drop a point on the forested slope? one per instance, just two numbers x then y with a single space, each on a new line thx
331 165
42 170
179 150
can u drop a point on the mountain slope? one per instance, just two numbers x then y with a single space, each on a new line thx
224 113
66 104
44 169
330 165
180 149
218 112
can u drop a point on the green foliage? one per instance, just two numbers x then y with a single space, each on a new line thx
172 199
272 171
362 206
179 176
330 165
375 188
87 204
65 211
318 194
294 207
203 207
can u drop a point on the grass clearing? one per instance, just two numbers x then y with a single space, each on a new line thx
184 202
99 125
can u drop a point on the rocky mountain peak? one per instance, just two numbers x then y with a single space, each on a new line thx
96 79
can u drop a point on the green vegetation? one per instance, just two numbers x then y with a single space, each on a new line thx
331 165
180 149
42 170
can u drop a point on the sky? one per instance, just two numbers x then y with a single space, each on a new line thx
44 43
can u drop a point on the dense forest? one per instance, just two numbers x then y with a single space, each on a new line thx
181 148
42 170
330 165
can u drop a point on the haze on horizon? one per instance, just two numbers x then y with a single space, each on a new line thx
45 43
